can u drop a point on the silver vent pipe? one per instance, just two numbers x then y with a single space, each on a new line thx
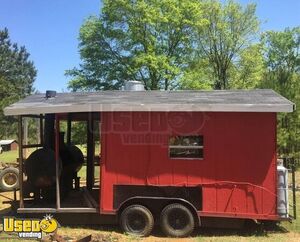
133 86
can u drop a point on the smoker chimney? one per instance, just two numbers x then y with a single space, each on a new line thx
49 138
50 94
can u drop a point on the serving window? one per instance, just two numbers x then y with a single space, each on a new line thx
186 147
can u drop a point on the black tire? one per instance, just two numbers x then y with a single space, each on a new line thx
9 179
137 220
176 220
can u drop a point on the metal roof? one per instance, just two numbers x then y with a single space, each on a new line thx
7 141
261 100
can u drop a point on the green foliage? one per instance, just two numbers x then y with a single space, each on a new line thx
169 44
78 132
198 75
248 71
17 75
283 75
227 41
146 40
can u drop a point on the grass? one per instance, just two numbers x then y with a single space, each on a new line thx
82 173
9 156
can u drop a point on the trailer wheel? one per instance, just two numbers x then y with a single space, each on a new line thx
177 220
9 179
137 220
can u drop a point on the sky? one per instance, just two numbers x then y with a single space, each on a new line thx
49 30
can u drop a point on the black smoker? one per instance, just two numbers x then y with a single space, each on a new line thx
40 166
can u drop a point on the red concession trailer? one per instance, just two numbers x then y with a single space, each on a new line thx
174 158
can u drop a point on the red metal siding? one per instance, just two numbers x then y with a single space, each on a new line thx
237 173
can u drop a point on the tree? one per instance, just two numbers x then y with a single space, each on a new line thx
247 72
283 75
226 42
17 75
197 76
146 40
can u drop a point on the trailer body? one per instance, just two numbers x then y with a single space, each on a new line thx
236 176
206 154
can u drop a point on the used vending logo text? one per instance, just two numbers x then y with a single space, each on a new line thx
30 228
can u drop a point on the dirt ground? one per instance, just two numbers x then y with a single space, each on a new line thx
253 232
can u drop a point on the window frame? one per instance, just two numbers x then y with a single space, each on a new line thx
185 147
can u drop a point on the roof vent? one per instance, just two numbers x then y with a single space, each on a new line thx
50 94
134 86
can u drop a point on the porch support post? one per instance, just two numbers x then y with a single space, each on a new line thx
20 128
57 161
90 152
69 129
